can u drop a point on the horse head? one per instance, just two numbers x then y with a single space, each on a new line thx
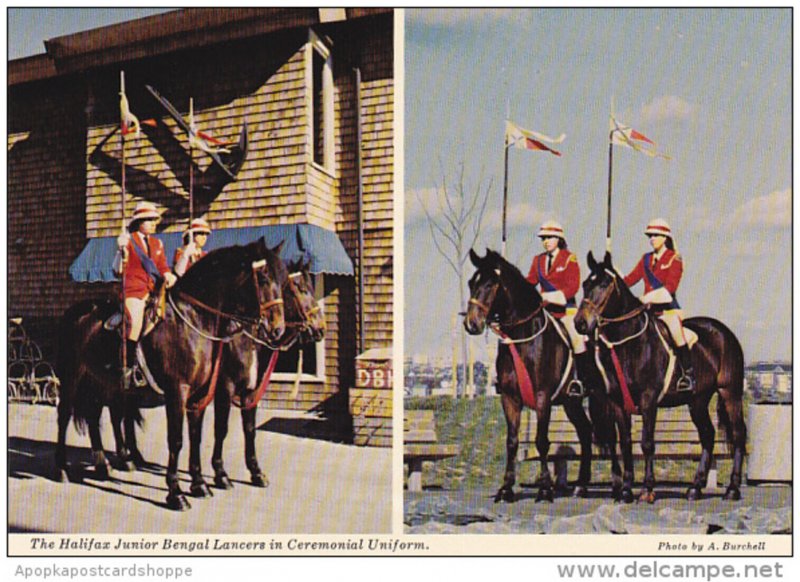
497 292
270 277
605 295
302 309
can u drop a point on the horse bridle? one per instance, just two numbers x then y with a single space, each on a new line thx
600 306
305 316
263 308
487 308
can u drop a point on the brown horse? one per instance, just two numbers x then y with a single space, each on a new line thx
635 360
248 361
230 288
501 296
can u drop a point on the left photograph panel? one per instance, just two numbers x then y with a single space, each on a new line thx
199 273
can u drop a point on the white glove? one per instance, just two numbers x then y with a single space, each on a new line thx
169 279
123 240
660 295
555 297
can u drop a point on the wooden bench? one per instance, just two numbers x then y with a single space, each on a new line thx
676 438
420 445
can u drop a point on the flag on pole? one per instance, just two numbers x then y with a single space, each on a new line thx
629 137
530 140
202 140
128 121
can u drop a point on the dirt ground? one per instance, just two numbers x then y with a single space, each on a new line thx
315 486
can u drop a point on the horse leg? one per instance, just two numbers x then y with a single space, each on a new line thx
731 415
175 410
222 409
129 422
698 408
512 410
626 445
117 411
199 487
544 480
577 416
99 460
648 450
257 478
64 414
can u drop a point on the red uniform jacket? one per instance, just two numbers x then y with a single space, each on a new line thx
138 284
667 270
192 260
564 275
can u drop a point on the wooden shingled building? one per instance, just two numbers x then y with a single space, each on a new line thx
302 103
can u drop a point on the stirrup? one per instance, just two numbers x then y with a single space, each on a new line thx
134 377
576 389
685 383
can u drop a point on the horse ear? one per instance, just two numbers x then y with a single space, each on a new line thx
277 249
607 259
473 256
590 260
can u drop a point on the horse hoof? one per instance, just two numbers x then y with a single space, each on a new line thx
732 494
647 497
627 496
580 492
101 472
505 494
178 502
694 494
222 481
138 460
200 490
545 495
259 480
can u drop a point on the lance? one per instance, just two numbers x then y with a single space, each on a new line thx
610 172
505 195
124 324
191 168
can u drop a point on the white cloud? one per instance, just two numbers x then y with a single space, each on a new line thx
772 210
667 107
519 214
430 198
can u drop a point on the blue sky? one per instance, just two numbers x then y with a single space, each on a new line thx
28 28
711 87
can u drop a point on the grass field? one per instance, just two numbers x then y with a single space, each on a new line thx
479 427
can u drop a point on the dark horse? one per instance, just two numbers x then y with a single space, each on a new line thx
635 361
230 288
501 296
247 364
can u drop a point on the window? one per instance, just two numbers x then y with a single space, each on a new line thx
319 80
313 355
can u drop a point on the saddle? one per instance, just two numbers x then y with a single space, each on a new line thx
669 344
153 313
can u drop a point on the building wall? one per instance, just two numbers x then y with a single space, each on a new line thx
70 124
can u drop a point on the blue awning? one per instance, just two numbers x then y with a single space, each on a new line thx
321 246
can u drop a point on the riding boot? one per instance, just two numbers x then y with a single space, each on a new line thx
686 381
132 375
578 385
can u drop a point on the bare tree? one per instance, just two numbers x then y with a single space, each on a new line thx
455 225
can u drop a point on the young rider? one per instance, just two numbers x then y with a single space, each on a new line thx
140 259
194 239
661 271
557 273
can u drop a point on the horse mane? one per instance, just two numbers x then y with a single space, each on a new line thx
516 281
221 264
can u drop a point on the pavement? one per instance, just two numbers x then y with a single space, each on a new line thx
763 509
316 487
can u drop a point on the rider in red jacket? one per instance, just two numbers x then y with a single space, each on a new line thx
142 263
558 275
661 271
194 239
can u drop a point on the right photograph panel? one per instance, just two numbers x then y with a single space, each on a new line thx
597 275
